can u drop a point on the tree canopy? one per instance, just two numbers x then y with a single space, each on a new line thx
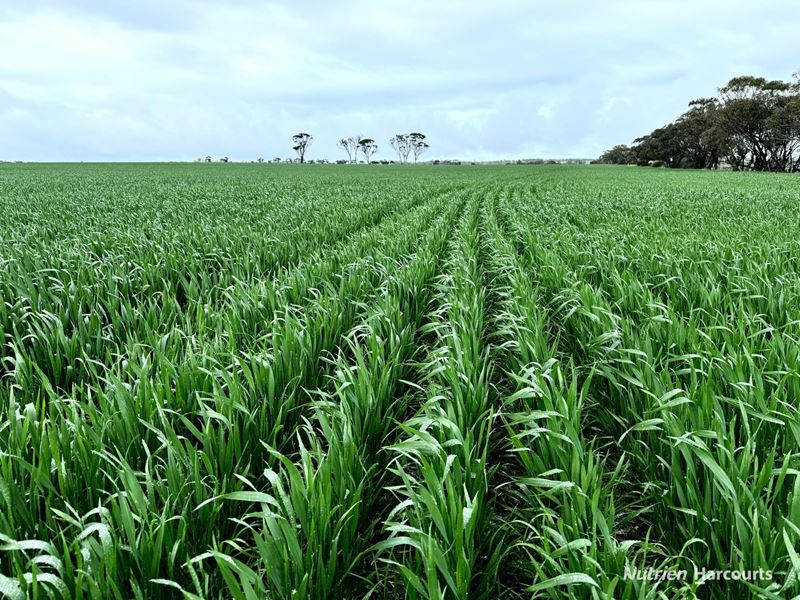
301 143
753 124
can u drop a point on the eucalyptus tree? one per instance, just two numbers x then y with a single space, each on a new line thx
401 143
301 143
368 147
351 146
418 144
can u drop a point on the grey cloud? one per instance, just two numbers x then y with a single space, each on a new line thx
154 80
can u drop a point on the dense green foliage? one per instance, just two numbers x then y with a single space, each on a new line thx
754 125
235 381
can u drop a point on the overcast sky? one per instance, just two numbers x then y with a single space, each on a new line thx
178 79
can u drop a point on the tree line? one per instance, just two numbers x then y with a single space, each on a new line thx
404 144
753 124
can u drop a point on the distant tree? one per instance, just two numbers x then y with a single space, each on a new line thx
368 147
618 155
208 159
224 159
402 145
351 146
260 160
277 159
418 145
301 143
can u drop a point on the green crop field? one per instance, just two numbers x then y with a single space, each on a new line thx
321 382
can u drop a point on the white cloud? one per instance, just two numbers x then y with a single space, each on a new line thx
546 111
152 80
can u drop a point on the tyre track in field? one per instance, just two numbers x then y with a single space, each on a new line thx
438 535
556 476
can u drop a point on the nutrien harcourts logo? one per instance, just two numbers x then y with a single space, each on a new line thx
699 575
